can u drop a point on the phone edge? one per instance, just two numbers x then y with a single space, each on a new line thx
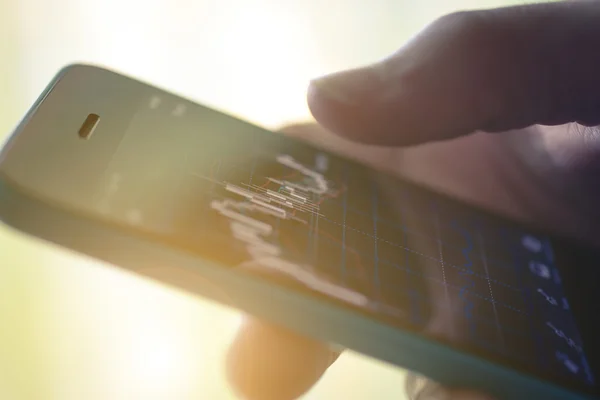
25 213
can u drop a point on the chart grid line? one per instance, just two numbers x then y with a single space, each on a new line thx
374 206
481 243
438 239
343 227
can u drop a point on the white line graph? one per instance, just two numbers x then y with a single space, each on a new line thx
292 199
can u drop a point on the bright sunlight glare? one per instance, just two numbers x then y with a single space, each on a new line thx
156 361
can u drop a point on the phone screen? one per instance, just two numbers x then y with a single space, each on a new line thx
268 205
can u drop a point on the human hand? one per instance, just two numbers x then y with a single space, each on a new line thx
529 72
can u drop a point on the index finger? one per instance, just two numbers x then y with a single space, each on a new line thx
487 70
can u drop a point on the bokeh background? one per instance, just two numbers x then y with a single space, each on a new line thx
72 328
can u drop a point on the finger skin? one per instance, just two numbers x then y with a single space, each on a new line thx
488 70
270 363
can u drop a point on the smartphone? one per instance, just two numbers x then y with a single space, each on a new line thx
133 175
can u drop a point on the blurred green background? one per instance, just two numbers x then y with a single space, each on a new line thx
73 328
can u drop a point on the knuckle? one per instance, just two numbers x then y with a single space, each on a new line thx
472 31
478 52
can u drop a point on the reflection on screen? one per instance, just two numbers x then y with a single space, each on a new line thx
265 204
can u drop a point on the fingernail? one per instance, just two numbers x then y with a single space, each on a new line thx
348 87
334 355
420 388
433 392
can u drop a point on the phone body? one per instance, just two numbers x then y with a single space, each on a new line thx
153 183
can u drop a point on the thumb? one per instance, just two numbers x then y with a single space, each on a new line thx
488 70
